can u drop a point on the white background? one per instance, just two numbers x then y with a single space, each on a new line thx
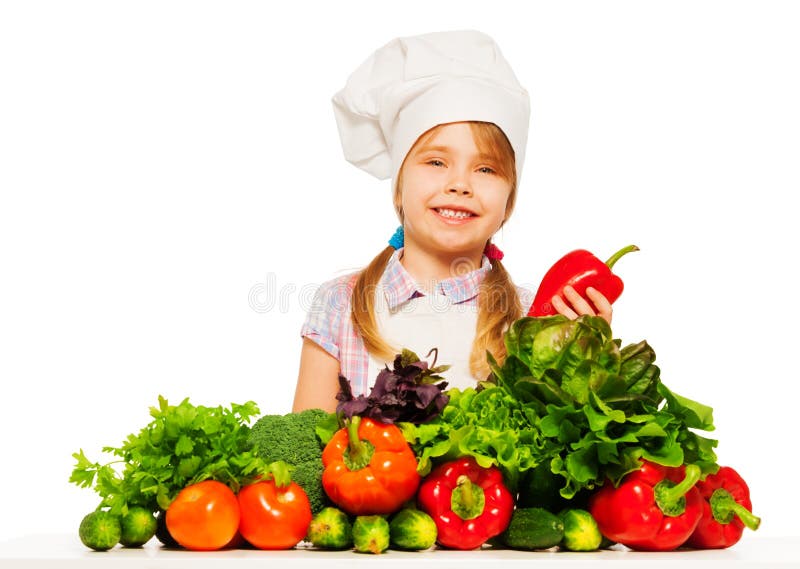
173 191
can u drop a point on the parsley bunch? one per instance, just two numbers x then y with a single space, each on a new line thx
182 445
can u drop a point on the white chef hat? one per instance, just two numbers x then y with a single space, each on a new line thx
414 83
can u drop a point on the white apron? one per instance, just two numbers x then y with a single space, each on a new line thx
426 322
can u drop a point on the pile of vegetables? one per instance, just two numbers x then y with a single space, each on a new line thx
576 422
574 442
197 477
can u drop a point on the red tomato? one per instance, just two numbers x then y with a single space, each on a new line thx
204 516
272 517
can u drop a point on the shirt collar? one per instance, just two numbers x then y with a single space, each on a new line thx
399 286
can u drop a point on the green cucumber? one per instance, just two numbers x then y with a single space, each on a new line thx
331 529
580 530
533 528
413 530
540 488
100 530
371 534
138 526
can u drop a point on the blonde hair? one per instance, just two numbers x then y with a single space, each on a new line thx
498 302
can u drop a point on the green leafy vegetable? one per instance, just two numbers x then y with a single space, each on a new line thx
570 398
600 408
183 444
490 425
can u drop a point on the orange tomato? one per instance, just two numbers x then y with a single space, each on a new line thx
273 517
204 516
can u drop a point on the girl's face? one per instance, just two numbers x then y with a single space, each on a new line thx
448 173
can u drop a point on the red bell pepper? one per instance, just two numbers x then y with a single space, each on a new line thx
469 503
579 269
726 510
655 508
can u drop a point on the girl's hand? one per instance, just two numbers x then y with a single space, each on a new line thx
580 306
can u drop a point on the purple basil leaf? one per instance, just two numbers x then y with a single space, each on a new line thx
388 400
407 393
345 390
382 383
426 394
405 358
440 402
426 415
353 407
384 415
349 405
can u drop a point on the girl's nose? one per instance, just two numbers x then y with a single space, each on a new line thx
461 189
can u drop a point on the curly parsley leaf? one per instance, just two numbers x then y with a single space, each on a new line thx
183 444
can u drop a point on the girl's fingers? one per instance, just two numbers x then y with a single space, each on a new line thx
600 301
562 308
579 304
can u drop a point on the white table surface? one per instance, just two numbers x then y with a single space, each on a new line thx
65 551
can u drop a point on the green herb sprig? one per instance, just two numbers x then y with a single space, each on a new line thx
183 444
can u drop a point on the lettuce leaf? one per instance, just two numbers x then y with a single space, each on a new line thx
570 397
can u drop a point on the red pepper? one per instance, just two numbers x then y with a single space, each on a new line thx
469 503
655 508
726 510
579 269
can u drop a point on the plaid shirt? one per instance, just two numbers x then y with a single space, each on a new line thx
328 322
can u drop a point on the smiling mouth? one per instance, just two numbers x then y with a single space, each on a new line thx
454 213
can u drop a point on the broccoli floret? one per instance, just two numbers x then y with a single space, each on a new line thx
289 437
308 476
292 438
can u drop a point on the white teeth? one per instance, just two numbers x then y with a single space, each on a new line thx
454 214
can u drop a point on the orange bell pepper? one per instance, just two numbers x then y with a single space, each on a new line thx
369 468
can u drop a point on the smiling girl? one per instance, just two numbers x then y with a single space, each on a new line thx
443 115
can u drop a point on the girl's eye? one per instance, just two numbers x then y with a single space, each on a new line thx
434 162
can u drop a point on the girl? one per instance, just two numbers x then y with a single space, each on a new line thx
443 115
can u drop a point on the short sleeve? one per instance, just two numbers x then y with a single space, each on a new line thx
323 323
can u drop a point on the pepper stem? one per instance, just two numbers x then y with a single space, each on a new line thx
467 500
359 452
616 256
670 497
725 508
354 445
